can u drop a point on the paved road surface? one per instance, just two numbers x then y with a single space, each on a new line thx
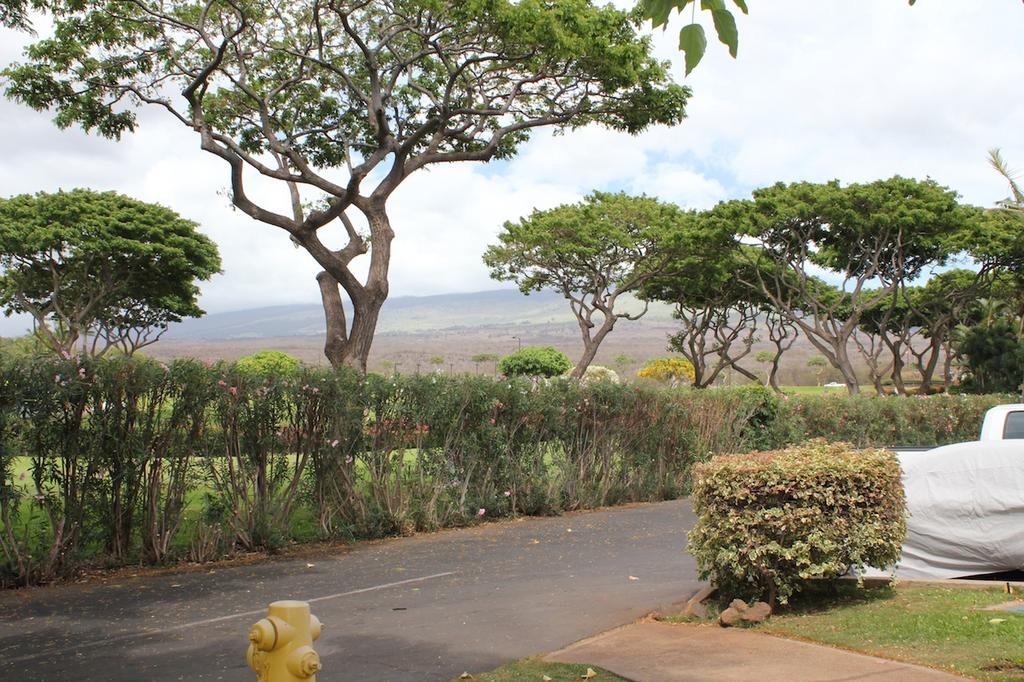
421 608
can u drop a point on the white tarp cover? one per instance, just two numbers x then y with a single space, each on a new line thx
966 506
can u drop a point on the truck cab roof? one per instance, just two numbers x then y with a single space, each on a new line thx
1003 422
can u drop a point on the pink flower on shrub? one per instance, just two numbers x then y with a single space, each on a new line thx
56 378
481 511
349 459
334 443
507 493
233 391
222 383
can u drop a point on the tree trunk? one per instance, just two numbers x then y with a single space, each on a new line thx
773 376
590 345
927 369
350 346
364 325
745 372
897 370
833 347
334 315
844 365
346 347
947 365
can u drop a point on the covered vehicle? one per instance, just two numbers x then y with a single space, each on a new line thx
966 502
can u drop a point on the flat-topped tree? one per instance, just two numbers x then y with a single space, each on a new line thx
871 237
936 308
592 253
339 102
99 270
720 317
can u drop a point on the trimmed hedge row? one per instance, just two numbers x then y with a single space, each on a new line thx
128 460
866 421
767 521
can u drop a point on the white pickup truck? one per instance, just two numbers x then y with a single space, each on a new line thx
1003 422
966 502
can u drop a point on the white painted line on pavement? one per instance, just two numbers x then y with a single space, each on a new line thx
381 587
209 621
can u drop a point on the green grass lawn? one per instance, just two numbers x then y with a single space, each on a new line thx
535 670
32 521
302 522
932 626
814 390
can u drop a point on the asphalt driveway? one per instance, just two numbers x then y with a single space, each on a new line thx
421 608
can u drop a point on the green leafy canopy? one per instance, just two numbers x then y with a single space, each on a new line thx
692 40
302 76
545 361
340 102
607 242
84 261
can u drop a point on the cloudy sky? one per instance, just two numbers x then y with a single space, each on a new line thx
821 89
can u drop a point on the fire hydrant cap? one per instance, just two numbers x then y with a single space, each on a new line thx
304 662
263 635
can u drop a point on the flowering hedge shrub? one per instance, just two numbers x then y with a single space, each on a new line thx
767 521
597 373
130 460
672 371
872 421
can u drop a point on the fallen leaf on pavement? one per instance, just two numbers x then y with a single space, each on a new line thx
310 565
633 577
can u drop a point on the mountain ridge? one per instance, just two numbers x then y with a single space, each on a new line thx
497 308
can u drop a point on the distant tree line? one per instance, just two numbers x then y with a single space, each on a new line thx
895 272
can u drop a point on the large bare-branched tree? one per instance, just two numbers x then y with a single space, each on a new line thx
339 102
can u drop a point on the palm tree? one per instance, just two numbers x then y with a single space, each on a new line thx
1015 202
992 310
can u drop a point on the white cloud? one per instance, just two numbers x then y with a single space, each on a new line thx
680 185
821 90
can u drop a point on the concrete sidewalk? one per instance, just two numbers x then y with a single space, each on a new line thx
663 652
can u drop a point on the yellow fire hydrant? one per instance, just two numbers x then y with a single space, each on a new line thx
281 645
